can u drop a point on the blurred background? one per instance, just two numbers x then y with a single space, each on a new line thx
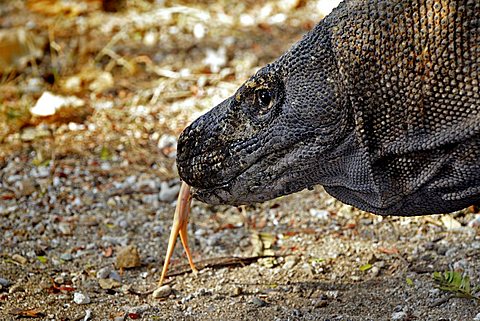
92 77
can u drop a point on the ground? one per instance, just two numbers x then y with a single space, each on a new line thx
87 191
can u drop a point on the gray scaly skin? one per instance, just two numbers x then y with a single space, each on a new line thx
379 103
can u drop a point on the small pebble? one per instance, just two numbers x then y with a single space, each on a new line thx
80 298
477 317
162 292
66 257
115 276
5 282
319 303
59 279
128 257
139 309
258 302
320 214
88 315
20 259
290 262
103 273
236 291
374 271
399 316
168 193
108 284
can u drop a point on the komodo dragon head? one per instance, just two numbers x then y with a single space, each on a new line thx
276 135
379 103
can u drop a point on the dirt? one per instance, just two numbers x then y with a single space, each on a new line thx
80 196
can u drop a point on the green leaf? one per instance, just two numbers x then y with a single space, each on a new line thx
456 283
105 154
366 267
42 259
409 281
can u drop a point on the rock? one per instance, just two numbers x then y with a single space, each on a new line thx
73 84
475 222
399 316
103 273
26 187
66 257
108 284
258 302
319 303
450 223
216 59
139 309
168 193
320 214
236 291
88 315
5 282
59 279
20 259
374 271
115 276
162 292
167 141
80 298
128 257
290 262
48 104
332 294
477 317
115 240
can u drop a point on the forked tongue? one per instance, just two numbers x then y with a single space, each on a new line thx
180 223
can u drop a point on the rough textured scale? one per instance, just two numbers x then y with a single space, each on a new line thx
379 103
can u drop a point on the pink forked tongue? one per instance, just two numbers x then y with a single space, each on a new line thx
180 222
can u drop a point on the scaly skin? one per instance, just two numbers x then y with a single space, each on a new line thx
379 103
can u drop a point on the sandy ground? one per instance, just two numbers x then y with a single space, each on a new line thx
89 191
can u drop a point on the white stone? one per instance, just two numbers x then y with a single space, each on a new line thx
162 292
80 298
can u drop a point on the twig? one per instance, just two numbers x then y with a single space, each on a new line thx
217 263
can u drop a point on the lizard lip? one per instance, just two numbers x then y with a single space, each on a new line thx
214 196
247 187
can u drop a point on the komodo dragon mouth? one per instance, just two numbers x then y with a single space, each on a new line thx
239 189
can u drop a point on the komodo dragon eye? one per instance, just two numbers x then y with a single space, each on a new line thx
264 98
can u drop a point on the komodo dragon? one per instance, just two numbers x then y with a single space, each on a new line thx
379 103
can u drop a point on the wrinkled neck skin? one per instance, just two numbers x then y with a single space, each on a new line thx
286 129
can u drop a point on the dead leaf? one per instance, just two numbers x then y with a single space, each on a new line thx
385 250
108 252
